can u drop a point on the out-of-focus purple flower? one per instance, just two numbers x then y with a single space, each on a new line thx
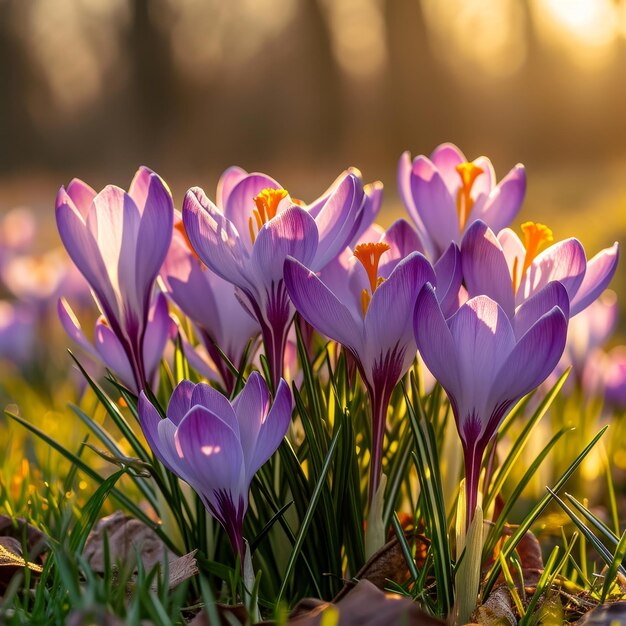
109 349
17 332
510 272
366 305
118 241
445 194
486 361
217 446
246 240
210 302
17 232
613 377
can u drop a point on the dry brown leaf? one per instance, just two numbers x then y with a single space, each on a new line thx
366 605
388 564
127 538
497 609
181 569
12 535
605 615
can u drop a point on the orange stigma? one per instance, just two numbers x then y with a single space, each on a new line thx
536 237
369 256
266 207
468 172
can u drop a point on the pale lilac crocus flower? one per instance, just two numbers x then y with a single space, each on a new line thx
118 241
217 446
510 271
445 193
108 349
366 306
210 302
486 362
256 225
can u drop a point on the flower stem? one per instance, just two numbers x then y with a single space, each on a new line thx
473 460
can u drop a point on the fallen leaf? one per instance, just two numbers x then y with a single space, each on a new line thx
389 564
605 615
366 605
181 569
127 538
13 534
497 610
229 616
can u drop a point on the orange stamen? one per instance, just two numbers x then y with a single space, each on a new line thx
536 237
468 172
267 202
369 255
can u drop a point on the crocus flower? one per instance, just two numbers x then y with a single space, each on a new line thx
446 193
510 271
367 307
108 349
210 302
217 446
118 241
486 361
17 332
258 225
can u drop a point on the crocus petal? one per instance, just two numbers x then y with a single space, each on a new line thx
504 201
113 354
214 401
553 294
387 321
434 203
180 401
226 183
533 358
484 182
82 195
446 157
402 240
213 237
83 250
484 267
513 248
154 236
159 330
336 219
211 451
371 207
239 206
449 273
149 419
251 407
272 429
72 327
435 343
291 233
483 336
564 261
319 306
600 271
139 186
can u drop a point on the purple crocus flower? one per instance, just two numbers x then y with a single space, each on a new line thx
210 302
446 193
217 446
118 241
247 240
108 349
366 306
510 271
486 361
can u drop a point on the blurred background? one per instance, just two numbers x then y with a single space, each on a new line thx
303 88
